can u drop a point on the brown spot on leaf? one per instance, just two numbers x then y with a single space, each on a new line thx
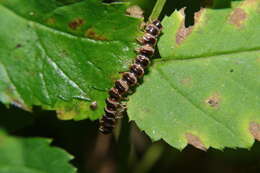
18 46
238 17
250 1
90 33
135 11
183 31
254 129
63 53
258 60
51 21
195 141
76 23
186 82
213 100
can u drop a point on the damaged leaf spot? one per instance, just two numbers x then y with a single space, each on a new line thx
75 24
18 46
238 17
184 32
254 129
195 141
51 21
135 11
213 100
187 82
90 33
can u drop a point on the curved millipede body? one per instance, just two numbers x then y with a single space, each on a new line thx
130 79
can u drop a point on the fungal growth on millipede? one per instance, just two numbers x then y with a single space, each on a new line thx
114 107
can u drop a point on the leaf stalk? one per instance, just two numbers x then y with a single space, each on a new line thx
157 9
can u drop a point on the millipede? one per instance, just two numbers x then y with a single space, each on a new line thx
114 107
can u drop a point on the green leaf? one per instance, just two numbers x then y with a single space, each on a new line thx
32 155
63 57
205 89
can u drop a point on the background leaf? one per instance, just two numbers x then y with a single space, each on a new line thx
205 89
63 57
32 155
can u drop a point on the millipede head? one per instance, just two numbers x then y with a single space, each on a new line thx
152 29
158 24
121 86
147 39
137 70
130 78
147 50
114 94
142 60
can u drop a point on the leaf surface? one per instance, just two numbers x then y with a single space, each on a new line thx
32 155
63 57
205 89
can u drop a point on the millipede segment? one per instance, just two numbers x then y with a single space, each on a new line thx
130 79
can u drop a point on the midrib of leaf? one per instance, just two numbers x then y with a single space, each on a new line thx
206 56
68 34
59 70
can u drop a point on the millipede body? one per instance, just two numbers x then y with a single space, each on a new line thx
130 79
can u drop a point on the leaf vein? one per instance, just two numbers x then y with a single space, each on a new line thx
60 71
233 133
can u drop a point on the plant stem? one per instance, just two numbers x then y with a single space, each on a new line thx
157 9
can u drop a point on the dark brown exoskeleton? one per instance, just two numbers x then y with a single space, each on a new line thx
142 60
147 39
129 79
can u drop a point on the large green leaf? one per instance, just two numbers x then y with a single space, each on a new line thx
205 90
63 57
32 155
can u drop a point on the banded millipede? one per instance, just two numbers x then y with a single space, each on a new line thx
130 79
